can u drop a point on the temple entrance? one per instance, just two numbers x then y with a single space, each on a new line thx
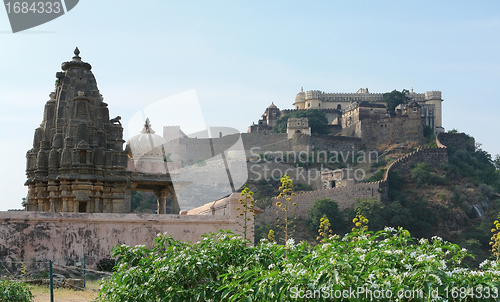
82 207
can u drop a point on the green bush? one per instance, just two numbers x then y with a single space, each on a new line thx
12 291
328 207
422 174
379 175
224 267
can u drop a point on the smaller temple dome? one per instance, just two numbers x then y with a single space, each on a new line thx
147 151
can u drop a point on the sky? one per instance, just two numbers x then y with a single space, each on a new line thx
239 56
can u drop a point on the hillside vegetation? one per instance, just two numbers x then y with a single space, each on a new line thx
457 202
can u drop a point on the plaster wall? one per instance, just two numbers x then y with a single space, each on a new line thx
41 236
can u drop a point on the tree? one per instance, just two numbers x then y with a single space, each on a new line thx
496 162
374 210
317 121
328 207
395 98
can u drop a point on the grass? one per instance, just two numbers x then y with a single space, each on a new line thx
42 293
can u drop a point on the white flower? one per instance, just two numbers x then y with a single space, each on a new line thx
389 229
436 238
464 249
485 262
408 266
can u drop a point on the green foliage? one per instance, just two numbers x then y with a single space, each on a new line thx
143 202
422 173
428 133
496 162
247 210
417 214
223 267
373 210
379 163
379 175
317 121
330 209
285 204
474 163
15 291
394 98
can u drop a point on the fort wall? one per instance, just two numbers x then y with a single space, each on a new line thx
455 140
346 196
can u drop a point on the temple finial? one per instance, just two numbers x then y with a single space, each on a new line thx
77 57
147 127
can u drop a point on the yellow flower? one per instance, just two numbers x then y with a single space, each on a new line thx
354 220
288 199
295 204
358 224
278 204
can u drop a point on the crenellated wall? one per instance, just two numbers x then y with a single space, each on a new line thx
346 196
456 140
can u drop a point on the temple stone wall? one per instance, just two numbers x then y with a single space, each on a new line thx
40 236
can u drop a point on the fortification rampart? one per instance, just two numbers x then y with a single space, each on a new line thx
432 156
455 140
346 196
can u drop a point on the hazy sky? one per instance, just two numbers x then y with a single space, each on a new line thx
240 56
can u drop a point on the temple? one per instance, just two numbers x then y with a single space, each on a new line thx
78 164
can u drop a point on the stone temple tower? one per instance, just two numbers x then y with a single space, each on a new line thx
77 163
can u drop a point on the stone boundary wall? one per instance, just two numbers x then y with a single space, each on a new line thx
201 148
456 140
346 196
432 156
41 236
